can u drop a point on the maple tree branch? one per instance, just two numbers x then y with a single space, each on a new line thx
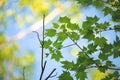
43 69
42 58
82 50
53 75
49 76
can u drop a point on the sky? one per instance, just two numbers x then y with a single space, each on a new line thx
30 42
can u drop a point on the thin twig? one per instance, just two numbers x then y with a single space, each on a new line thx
43 69
43 41
67 46
53 75
42 58
50 74
38 37
82 50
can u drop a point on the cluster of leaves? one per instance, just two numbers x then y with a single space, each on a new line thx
65 29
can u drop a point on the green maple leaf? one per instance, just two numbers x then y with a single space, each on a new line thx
74 36
100 41
55 25
81 75
61 36
50 32
103 56
57 56
64 19
67 65
89 35
47 43
57 44
65 76
102 26
92 48
72 26
107 11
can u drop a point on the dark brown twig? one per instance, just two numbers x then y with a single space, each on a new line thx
67 46
49 76
43 69
82 50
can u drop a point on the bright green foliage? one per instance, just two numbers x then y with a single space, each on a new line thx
57 44
116 16
64 19
50 32
57 55
67 65
61 36
65 76
55 25
100 41
93 31
107 11
102 26
91 48
116 49
74 36
47 43
81 75
103 56
72 26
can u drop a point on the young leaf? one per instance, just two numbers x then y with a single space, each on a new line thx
47 43
81 75
103 56
74 36
67 65
92 48
55 25
107 11
100 41
64 19
50 32
65 76
72 26
57 44
61 36
57 56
